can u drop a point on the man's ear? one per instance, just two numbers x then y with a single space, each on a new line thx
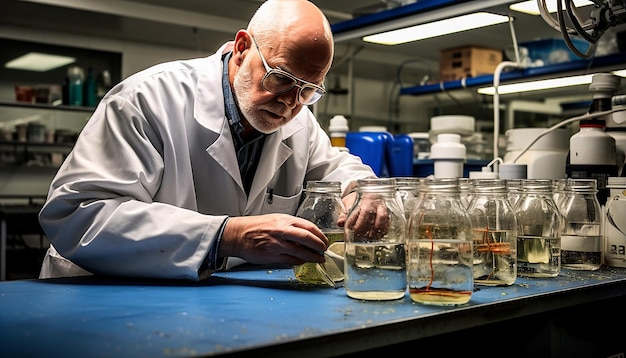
242 43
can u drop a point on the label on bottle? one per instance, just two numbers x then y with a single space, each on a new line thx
615 232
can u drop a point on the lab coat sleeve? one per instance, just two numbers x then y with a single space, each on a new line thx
101 211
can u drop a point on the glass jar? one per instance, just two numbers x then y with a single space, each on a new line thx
581 227
513 190
407 190
539 230
494 233
439 246
375 266
465 187
322 206
558 191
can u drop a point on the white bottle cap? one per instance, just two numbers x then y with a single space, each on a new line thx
338 123
448 146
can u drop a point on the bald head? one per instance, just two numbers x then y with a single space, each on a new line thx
296 21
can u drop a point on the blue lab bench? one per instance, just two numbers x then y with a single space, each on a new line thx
262 311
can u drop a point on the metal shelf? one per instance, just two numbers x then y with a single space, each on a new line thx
411 14
43 106
531 72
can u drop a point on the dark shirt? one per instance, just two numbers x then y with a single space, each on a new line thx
248 148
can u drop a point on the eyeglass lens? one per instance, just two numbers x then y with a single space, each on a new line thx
277 82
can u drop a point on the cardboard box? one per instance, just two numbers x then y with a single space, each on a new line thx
468 61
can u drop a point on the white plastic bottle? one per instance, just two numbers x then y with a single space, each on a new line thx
448 155
593 155
337 129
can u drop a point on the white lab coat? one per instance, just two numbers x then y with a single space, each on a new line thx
153 175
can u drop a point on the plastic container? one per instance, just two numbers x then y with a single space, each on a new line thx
338 129
76 78
449 156
545 159
615 223
457 124
400 155
371 147
593 155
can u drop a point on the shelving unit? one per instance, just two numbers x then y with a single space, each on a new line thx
425 11
531 72
43 106
20 151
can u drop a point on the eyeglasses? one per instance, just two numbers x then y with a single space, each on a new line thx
278 81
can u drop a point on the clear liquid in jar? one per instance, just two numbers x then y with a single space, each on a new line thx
494 257
375 271
538 256
439 270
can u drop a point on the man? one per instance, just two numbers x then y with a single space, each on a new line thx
189 165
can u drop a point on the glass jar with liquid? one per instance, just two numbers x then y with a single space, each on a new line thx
439 246
494 233
322 206
539 230
375 266
581 227
407 190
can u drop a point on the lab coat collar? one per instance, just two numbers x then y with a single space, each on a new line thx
209 97
209 112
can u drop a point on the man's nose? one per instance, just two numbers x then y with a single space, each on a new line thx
290 98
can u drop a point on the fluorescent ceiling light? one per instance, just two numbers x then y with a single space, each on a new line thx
543 84
621 73
437 28
40 62
531 7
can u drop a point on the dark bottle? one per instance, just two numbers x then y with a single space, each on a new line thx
89 89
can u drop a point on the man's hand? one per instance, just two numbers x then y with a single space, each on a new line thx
370 220
273 239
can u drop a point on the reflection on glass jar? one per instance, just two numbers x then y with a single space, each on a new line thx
375 265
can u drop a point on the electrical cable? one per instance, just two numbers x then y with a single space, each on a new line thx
565 32
575 20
